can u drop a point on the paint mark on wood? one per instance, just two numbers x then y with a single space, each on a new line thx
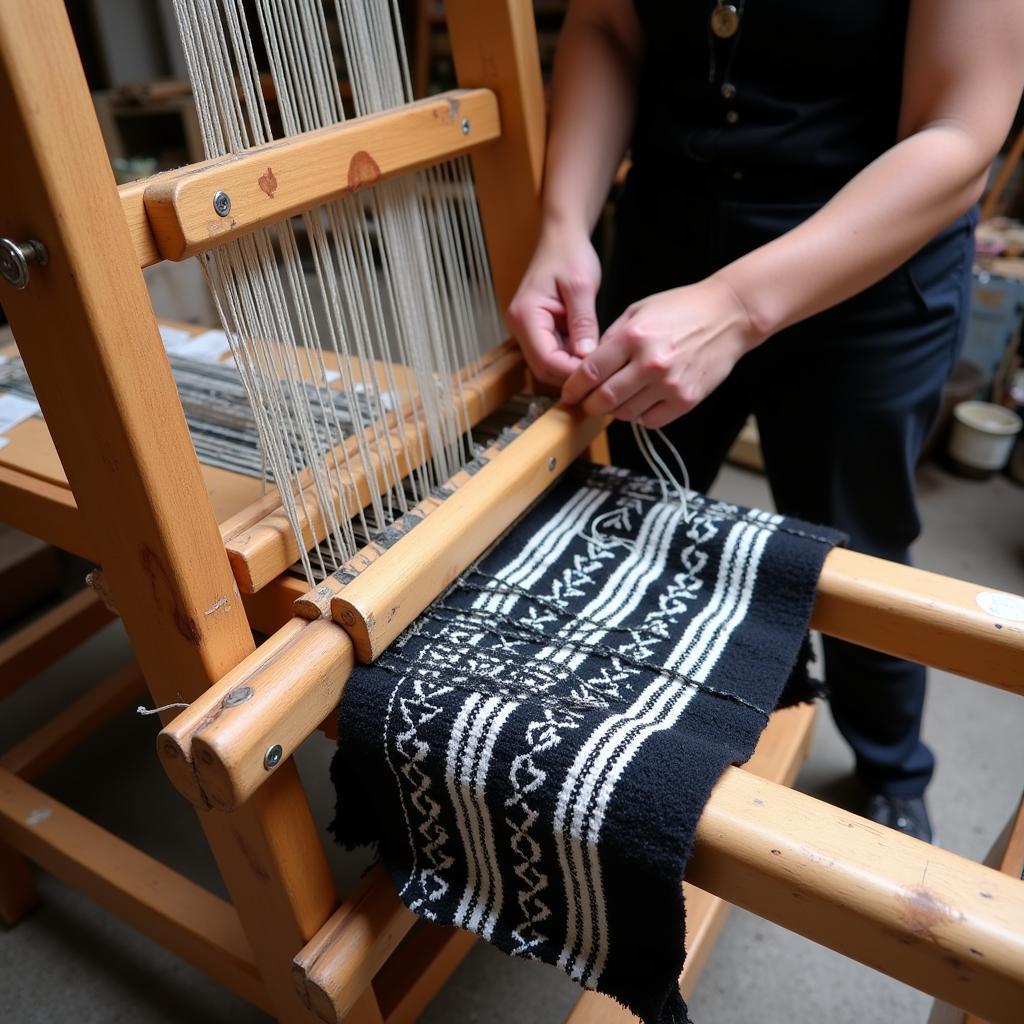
362 170
267 183
38 816
218 605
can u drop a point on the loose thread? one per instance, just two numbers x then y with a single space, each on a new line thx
140 710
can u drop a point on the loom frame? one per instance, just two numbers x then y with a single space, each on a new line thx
139 507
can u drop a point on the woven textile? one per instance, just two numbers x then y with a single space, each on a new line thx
533 754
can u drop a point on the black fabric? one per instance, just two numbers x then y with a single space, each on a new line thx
532 756
817 95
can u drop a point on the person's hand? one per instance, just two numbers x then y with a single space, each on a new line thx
552 315
664 355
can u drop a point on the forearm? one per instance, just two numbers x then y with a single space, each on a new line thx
592 114
880 219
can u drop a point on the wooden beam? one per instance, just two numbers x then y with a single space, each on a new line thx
44 510
47 638
377 605
341 960
18 895
494 46
184 918
935 620
920 914
418 970
274 702
31 756
90 343
270 183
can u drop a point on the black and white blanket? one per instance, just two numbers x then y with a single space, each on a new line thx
533 754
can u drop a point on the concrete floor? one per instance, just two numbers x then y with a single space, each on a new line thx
71 961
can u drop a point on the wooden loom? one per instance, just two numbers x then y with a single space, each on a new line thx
193 563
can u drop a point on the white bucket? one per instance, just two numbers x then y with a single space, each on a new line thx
983 435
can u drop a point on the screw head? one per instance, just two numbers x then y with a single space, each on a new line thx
272 758
465 126
239 695
15 258
222 203
552 463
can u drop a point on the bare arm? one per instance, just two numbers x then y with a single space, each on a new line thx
963 79
963 76
552 314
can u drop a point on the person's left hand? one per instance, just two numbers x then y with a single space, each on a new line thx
664 355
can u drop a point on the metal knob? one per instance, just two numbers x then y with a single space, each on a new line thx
15 258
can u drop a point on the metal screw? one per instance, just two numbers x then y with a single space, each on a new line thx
465 126
222 203
15 258
552 462
239 695
272 758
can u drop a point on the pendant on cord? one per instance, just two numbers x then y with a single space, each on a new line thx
725 19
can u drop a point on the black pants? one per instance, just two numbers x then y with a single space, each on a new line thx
843 402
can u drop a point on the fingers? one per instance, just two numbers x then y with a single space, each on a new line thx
594 371
661 415
533 324
639 405
579 294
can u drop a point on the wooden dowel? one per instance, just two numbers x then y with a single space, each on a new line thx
924 617
273 182
225 745
316 603
194 924
387 597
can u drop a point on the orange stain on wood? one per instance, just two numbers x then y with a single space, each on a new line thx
362 170
268 183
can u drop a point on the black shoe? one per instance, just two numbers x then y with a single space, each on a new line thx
906 814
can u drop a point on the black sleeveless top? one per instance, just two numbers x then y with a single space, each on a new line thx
791 107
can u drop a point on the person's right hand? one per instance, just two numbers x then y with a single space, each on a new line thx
553 315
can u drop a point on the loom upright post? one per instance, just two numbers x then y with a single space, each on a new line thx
90 342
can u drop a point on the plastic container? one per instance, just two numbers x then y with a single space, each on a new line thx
982 437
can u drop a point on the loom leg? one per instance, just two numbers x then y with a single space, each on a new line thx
17 888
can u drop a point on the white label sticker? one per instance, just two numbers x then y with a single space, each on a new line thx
207 347
14 409
4 442
331 376
1001 605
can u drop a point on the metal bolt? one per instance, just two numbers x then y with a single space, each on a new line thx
222 203
239 695
552 462
465 126
15 258
272 758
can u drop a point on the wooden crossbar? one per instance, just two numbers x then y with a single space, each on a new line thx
922 915
215 751
172 216
191 922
